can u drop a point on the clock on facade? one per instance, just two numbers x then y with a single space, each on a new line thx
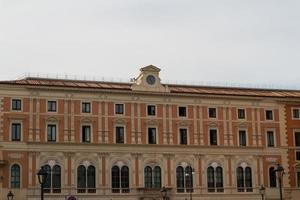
150 79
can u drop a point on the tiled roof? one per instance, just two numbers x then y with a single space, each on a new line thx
206 90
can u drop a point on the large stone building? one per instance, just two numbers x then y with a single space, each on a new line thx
105 140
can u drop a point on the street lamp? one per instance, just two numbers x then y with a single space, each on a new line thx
163 192
10 196
42 175
280 172
190 174
262 191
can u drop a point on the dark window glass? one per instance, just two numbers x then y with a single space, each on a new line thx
115 179
210 179
297 139
119 109
51 133
241 113
189 179
151 110
240 179
272 177
15 176
182 111
269 115
296 113
125 179
86 107
48 182
213 137
183 135
298 155
180 179
157 177
148 177
248 179
212 112
56 179
298 178
119 134
91 179
16 132
16 104
81 179
86 134
152 135
219 179
51 106
270 138
242 138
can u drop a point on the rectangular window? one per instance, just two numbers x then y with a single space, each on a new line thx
182 111
242 138
16 131
16 104
212 112
269 115
86 107
151 110
241 114
298 155
119 109
183 135
151 135
86 133
119 134
51 133
213 137
270 138
296 113
51 106
297 139
298 179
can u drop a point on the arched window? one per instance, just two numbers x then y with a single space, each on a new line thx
120 179
152 177
215 179
180 179
53 179
272 177
15 176
86 179
189 179
244 179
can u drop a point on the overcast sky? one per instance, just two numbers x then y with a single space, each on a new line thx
213 41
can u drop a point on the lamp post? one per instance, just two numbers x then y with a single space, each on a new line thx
10 196
280 171
42 175
164 192
262 191
190 174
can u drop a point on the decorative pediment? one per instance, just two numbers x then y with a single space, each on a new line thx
52 119
120 121
148 80
152 122
183 123
213 124
242 125
86 120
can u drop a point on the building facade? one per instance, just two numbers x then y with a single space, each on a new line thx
104 140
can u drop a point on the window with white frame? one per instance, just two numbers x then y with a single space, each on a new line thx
16 131
151 110
212 112
51 106
244 179
269 114
297 138
120 134
15 177
119 109
213 137
215 178
298 175
241 113
182 111
242 138
151 135
298 155
16 104
51 132
183 136
270 139
85 107
296 113
86 133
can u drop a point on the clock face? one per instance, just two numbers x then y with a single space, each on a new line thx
150 79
